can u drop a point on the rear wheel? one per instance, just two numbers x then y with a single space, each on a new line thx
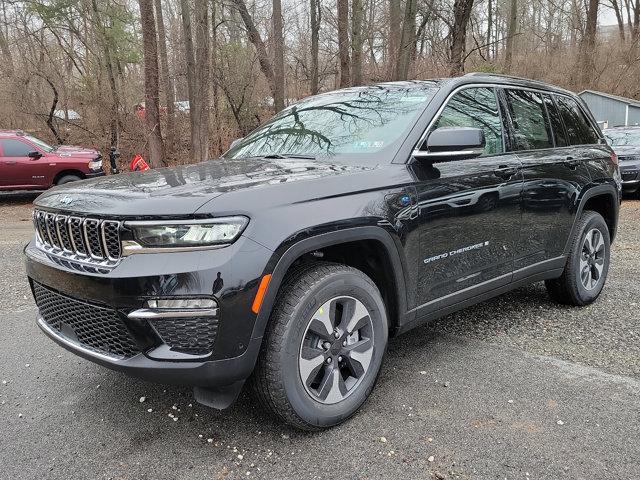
67 179
323 348
587 266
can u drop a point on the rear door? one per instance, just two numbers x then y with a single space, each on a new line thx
19 170
469 209
553 176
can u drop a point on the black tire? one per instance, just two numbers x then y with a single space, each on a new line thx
277 379
569 289
67 179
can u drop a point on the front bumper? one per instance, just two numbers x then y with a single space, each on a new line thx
99 173
630 174
229 275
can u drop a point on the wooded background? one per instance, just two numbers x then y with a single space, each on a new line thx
236 62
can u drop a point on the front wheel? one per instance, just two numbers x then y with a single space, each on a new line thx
67 179
587 265
323 347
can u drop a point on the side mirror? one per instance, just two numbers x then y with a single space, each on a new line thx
34 155
452 143
235 142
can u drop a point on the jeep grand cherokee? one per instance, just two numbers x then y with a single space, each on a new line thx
348 218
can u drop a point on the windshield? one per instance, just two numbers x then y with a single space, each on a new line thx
623 138
43 145
354 121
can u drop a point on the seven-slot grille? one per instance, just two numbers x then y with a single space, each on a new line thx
88 239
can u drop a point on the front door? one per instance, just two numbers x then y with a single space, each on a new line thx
19 170
469 209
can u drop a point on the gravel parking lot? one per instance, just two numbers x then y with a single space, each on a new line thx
516 387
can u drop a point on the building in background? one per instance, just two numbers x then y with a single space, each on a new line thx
612 110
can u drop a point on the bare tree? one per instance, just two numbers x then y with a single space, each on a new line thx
167 80
461 15
407 40
316 18
151 86
357 40
343 42
278 56
511 34
393 33
202 85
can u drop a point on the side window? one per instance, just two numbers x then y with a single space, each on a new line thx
478 108
530 124
15 148
579 129
556 122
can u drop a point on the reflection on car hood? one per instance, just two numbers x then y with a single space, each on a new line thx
180 190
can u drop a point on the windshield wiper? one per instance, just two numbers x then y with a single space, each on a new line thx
288 155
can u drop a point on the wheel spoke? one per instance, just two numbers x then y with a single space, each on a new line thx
360 352
322 323
359 317
585 275
311 360
332 388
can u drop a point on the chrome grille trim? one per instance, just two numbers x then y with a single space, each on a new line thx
92 241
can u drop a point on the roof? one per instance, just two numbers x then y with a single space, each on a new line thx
11 133
625 100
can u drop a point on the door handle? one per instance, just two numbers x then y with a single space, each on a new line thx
571 162
505 172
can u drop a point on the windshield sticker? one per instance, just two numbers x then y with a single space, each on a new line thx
475 246
367 144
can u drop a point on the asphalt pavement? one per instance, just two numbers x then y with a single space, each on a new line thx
516 387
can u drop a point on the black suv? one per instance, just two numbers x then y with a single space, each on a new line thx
348 218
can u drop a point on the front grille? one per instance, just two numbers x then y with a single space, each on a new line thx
96 328
83 239
194 336
628 175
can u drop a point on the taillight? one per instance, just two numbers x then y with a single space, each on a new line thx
614 158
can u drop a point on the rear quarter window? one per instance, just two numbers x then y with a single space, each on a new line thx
579 129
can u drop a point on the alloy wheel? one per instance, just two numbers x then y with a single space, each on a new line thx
592 258
336 349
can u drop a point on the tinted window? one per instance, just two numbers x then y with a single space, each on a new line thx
579 130
556 122
15 148
529 120
478 108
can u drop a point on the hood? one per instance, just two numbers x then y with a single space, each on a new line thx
626 150
74 151
181 190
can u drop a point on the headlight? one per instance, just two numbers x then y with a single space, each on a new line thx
95 164
188 233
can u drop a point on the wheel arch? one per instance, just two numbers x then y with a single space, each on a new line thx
602 199
340 246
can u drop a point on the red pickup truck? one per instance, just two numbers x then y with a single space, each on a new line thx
27 163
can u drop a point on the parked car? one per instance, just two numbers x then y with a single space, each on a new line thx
28 163
348 218
625 141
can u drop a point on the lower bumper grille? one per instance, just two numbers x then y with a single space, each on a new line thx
194 336
629 175
96 328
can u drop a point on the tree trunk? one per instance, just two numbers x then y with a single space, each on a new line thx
316 16
343 42
619 19
167 80
6 54
255 38
588 44
511 34
187 34
394 37
201 81
151 86
408 40
357 14
489 26
278 56
216 92
461 15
